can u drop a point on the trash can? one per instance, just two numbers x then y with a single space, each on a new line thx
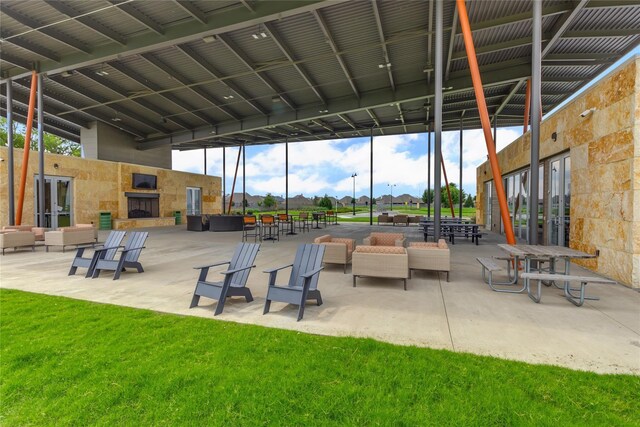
105 221
178 216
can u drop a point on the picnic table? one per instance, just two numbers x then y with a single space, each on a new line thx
452 229
551 254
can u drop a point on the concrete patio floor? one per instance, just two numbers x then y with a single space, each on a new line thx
462 315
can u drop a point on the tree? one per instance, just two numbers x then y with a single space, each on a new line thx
325 202
455 195
427 196
469 201
269 201
52 143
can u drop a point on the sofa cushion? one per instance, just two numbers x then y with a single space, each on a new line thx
322 239
381 250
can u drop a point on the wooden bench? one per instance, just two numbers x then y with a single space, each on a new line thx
490 266
576 300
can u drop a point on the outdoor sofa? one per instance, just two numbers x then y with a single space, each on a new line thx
17 239
429 256
380 261
384 239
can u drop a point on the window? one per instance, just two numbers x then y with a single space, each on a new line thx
194 201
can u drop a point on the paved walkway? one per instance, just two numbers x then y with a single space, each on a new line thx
461 315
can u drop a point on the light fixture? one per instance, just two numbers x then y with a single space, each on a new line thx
387 65
255 36
102 72
587 113
117 119
67 73
447 88
276 99
209 39
228 97
323 111
259 34
554 136
427 69
56 166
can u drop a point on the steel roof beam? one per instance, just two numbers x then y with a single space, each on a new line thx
27 45
518 17
279 41
327 34
108 84
496 47
49 110
225 21
249 64
133 75
162 66
452 37
125 112
90 23
206 65
563 23
620 32
49 128
49 31
188 7
416 91
401 116
18 62
246 4
138 16
505 101
383 41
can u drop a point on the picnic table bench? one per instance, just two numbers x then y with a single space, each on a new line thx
577 300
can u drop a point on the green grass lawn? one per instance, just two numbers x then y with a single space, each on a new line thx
68 362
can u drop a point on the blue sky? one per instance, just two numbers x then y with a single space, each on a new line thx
325 167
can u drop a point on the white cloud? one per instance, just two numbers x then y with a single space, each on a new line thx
319 167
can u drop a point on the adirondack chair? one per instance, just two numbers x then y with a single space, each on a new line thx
235 278
106 252
303 280
128 256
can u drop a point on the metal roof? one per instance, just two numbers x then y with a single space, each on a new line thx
218 73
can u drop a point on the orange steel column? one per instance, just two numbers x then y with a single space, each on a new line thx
527 106
233 186
446 183
484 119
27 148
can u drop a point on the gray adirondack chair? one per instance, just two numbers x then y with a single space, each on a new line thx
235 278
303 280
128 256
107 251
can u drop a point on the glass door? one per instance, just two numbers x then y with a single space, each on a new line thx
559 219
194 200
58 209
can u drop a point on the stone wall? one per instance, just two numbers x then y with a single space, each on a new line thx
605 170
101 185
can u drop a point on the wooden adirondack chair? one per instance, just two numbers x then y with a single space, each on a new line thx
303 280
106 252
128 256
235 278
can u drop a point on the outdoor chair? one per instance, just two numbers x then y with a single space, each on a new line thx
269 228
303 280
285 223
401 219
128 256
332 218
303 221
338 250
235 278
107 252
384 239
250 228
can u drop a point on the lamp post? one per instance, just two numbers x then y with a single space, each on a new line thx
391 186
353 200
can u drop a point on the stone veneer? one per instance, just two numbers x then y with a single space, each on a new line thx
100 185
605 170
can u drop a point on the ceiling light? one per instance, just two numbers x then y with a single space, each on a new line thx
228 97
387 65
447 88
323 111
117 119
209 39
255 36
67 73
102 73
427 69
276 99
264 35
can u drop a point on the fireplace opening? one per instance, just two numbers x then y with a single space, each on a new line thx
143 205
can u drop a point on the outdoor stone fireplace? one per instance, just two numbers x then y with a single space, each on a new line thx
143 205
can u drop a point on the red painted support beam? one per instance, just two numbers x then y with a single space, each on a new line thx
484 119
233 186
446 183
27 147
